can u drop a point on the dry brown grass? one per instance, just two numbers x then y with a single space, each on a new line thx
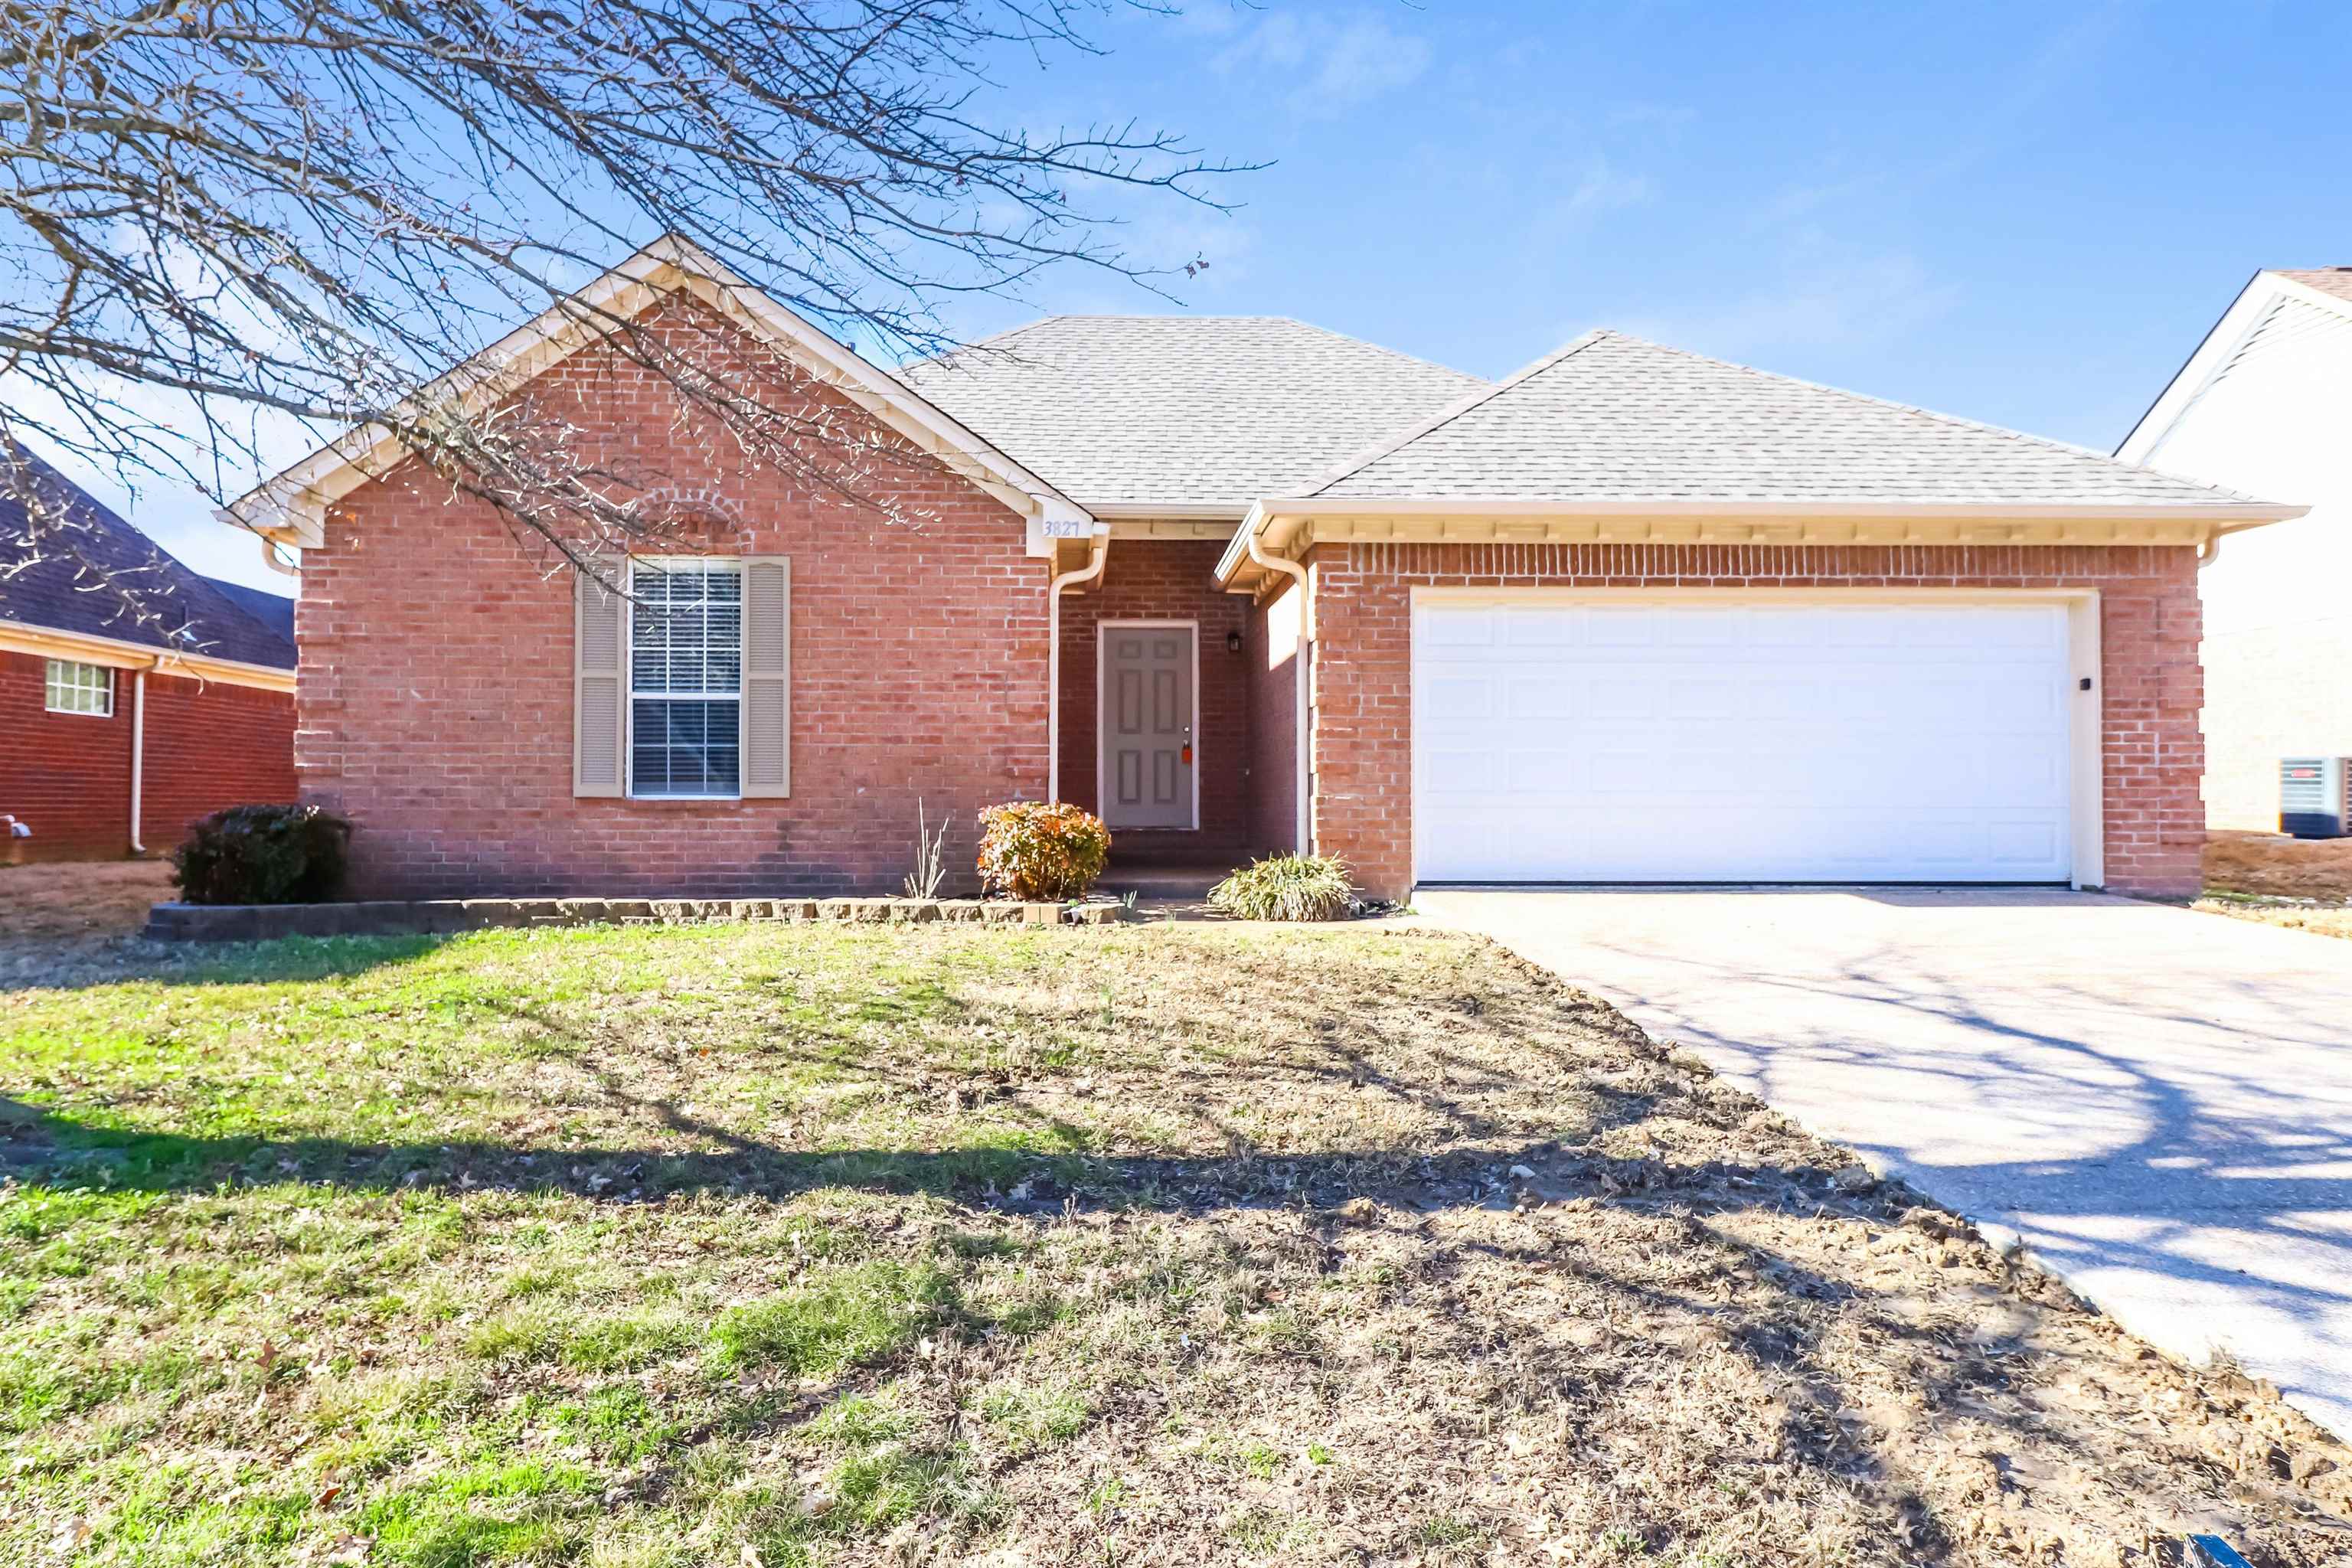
2297 914
2272 865
1198 1245
80 899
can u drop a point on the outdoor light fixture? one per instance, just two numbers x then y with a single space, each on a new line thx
1233 642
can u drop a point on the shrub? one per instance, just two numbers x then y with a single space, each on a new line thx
262 855
1285 888
1033 850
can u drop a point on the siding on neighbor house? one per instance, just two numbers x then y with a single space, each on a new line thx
2278 619
436 673
1165 579
2150 682
67 775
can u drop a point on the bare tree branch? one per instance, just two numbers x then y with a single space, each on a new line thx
292 214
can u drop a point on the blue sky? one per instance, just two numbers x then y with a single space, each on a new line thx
2026 213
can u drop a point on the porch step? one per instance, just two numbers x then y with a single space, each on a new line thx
1190 883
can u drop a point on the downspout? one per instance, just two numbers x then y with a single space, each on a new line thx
1095 557
1303 828
269 555
138 753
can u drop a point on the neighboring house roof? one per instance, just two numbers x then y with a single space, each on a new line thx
2334 281
82 589
291 506
275 611
2322 294
1611 418
1183 414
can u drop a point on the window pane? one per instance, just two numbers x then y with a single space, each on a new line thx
69 687
686 659
686 629
684 746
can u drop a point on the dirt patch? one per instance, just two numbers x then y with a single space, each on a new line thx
79 900
1183 1244
2280 866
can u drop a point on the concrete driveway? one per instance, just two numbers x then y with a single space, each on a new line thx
2158 1101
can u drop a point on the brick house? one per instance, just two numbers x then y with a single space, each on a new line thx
2262 406
1241 584
117 731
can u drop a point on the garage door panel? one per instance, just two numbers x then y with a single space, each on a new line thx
1761 743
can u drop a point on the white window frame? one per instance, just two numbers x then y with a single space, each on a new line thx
51 685
629 693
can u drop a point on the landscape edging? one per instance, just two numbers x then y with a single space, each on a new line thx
391 917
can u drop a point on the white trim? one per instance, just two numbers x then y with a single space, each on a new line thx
2086 719
2220 345
43 642
292 505
1292 526
1102 696
137 754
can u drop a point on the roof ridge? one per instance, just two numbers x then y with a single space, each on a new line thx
1348 467
1960 420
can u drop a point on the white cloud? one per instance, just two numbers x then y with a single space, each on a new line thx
1603 187
1815 301
1329 63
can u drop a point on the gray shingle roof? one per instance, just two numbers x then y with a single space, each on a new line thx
1613 418
60 592
1219 410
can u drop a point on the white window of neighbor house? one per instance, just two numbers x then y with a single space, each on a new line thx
686 680
76 688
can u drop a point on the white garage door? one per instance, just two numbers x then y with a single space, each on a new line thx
1576 742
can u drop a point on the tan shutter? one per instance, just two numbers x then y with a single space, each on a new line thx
767 677
600 676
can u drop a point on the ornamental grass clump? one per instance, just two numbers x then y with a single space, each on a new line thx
1041 852
1286 888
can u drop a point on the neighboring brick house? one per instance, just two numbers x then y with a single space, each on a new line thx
2265 404
135 696
1242 585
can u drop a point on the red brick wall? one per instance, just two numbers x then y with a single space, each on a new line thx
2151 681
1165 579
211 745
68 774
437 670
1274 725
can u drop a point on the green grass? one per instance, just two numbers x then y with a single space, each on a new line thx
648 1249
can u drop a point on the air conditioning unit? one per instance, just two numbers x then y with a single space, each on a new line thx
2315 796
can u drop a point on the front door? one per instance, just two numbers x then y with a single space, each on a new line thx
1147 763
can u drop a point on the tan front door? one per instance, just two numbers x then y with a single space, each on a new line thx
1148 760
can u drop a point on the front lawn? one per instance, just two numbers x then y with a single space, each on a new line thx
757 1245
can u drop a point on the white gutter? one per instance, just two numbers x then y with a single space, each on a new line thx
1095 557
1304 826
1471 506
138 753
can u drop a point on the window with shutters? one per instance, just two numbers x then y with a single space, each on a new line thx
685 678
72 686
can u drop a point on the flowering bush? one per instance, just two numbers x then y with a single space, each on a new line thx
1039 852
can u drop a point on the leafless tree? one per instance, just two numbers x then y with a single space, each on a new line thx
224 219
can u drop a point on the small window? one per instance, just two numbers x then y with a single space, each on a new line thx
74 688
686 680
